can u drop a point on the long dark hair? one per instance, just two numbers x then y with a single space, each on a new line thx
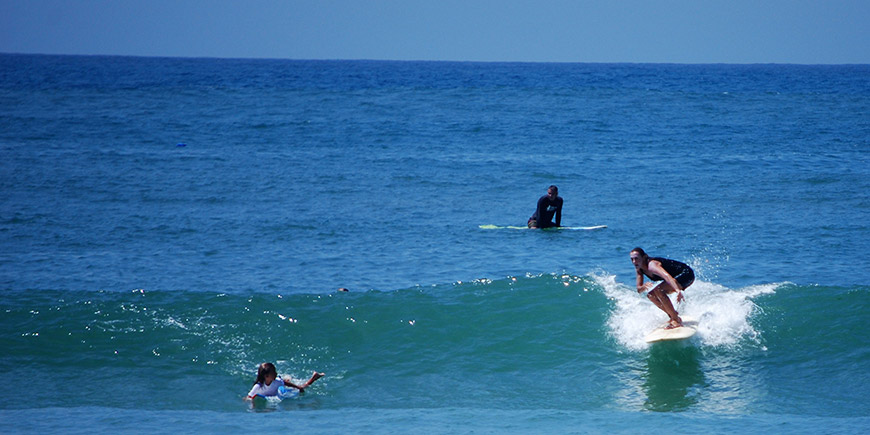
639 251
266 368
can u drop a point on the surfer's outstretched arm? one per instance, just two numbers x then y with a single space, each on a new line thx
314 376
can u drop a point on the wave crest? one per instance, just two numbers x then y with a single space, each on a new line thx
724 314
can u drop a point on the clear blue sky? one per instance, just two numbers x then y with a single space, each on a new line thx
680 31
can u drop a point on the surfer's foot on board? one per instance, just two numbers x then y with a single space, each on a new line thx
674 323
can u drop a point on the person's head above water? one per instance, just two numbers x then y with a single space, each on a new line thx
638 256
552 192
266 369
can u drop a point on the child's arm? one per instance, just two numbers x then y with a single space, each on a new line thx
288 382
254 390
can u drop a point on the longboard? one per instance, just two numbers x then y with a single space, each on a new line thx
512 227
689 328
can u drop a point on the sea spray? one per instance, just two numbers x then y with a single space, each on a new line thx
724 314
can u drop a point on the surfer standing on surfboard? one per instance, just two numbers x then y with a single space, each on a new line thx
548 206
676 277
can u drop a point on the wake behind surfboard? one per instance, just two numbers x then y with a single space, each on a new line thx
512 227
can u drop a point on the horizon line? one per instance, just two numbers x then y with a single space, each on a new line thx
426 60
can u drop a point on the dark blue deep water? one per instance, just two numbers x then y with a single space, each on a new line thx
168 224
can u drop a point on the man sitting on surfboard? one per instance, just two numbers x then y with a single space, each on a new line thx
548 206
676 276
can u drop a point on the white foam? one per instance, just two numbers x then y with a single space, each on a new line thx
723 314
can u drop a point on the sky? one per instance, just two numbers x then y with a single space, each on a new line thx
643 31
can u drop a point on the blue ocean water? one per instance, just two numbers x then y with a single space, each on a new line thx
168 224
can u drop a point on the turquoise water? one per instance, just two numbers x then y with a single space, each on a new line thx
147 279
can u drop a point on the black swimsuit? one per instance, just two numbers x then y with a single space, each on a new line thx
680 271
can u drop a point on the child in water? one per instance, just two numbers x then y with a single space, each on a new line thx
267 382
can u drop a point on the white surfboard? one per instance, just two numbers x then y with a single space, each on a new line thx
689 328
511 227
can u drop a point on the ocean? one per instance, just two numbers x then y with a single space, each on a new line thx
168 224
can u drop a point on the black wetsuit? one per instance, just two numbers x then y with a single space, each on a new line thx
680 271
546 210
